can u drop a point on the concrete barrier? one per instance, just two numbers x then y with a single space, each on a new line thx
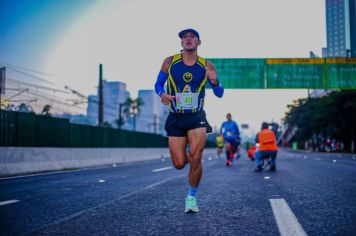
17 160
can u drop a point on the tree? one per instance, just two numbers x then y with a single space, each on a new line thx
132 108
24 108
47 110
107 124
331 116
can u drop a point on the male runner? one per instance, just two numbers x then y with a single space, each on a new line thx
186 75
231 133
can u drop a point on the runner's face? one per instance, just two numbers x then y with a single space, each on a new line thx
190 42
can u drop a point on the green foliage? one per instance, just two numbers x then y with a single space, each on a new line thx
107 124
47 110
132 107
331 116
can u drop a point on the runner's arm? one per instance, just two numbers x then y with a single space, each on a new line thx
162 76
221 128
256 139
218 89
161 80
237 130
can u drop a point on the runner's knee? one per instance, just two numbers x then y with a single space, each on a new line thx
195 155
194 161
179 164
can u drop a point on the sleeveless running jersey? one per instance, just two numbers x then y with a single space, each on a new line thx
187 83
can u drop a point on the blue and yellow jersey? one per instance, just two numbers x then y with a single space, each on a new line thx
187 83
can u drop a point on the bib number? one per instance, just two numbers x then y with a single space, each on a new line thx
187 100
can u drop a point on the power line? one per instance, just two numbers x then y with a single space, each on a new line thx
26 69
21 92
40 91
33 76
37 86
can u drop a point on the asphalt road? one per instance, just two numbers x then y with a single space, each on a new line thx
310 193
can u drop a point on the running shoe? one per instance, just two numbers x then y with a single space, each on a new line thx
191 205
259 168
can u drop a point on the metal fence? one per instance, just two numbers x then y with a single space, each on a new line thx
30 130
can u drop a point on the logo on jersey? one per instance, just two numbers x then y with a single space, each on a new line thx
187 89
187 77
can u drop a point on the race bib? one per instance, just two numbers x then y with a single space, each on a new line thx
187 100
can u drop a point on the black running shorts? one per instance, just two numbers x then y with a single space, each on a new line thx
178 124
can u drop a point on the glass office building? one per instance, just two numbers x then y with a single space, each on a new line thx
340 15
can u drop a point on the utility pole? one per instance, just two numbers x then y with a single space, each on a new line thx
2 82
101 97
155 123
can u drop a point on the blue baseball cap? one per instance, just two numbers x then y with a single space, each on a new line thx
183 32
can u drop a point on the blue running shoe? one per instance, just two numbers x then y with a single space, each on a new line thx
191 205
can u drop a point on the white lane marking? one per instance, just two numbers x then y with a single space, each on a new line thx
55 172
286 221
102 181
334 160
162 169
267 177
67 218
8 202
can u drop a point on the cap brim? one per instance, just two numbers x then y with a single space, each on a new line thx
183 32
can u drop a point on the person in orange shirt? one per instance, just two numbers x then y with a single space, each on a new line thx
267 147
251 152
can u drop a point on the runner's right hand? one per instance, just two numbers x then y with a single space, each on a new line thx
166 98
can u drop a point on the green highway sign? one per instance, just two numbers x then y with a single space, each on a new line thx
240 73
341 73
316 73
295 73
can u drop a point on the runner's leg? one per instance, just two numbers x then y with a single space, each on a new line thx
177 148
196 139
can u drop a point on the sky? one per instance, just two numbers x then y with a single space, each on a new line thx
67 40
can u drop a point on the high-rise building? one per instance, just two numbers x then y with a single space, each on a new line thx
353 27
114 94
340 16
152 114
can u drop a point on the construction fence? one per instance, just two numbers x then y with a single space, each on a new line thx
30 130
